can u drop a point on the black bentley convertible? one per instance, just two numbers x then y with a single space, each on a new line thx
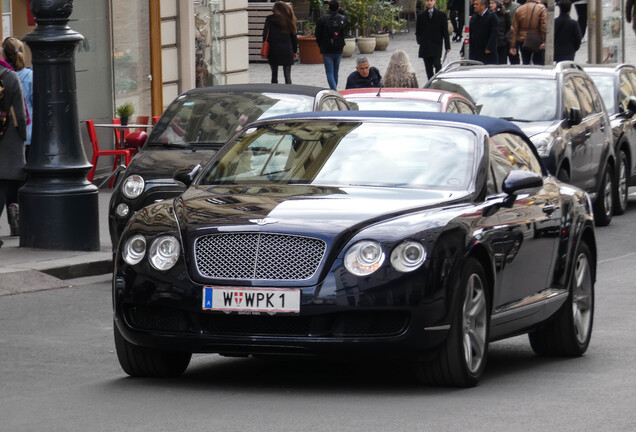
418 236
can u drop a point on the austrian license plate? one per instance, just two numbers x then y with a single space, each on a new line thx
271 300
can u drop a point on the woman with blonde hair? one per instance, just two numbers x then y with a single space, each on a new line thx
399 72
280 31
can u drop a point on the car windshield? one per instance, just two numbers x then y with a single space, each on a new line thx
522 98
348 153
395 104
211 119
605 86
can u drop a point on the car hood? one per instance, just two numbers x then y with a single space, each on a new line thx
154 164
324 209
534 128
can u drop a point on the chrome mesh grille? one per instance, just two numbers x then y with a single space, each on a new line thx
258 256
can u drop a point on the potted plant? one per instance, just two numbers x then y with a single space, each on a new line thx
307 45
384 18
357 12
124 112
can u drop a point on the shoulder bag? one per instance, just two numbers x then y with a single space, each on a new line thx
265 46
533 40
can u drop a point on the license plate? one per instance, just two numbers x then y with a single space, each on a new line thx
271 300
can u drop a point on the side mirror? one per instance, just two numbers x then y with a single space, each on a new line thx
136 139
518 180
187 175
631 105
574 116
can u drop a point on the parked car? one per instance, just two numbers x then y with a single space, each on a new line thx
421 236
193 128
617 86
408 99
559 108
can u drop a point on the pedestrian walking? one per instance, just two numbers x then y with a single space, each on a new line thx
399 72
503 30
330 39
529 25
364 76
482 38
511 6
431 30
13 122
567 34
456 16
630 13
280 31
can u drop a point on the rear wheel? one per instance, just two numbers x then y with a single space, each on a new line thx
139 361
622 185
462 358
569 332
603 206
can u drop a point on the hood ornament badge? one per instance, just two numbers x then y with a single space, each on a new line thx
264 221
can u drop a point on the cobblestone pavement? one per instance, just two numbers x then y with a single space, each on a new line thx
314 74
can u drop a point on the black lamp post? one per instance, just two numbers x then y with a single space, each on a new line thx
58 205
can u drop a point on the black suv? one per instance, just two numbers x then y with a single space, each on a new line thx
617 85
559 108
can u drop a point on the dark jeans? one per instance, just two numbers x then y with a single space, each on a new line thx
527 56
286 73
431 63
332 65
502 55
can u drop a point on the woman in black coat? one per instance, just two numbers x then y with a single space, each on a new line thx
280 31
503 30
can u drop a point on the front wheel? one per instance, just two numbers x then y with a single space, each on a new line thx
569 332
461 360
603 206
621 191
139 361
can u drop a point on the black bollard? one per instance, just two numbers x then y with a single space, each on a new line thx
58 205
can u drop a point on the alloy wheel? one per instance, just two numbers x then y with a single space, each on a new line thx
475 320
582 298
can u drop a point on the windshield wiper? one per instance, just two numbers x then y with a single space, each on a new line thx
516 119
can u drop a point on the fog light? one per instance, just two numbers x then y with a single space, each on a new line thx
122 210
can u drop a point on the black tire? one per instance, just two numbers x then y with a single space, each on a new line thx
563 176
568 333
461 360
621 189
138 361
603 207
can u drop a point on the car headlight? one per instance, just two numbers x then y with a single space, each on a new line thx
134 249
133 186
363 258
543 142
408 256
164 252
122 210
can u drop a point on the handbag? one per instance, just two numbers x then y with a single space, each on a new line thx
533 41
265 46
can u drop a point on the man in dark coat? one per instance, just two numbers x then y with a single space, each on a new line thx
364 76
567 34
483 34
430 30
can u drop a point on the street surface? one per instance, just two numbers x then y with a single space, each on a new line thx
59 372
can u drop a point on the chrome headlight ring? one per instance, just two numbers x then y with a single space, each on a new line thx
133 186
408 256
364 258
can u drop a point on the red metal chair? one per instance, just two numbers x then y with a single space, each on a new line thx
92 135
142 120
155 119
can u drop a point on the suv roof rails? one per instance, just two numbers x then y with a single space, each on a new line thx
568 64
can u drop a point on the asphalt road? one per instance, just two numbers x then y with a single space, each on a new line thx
59 372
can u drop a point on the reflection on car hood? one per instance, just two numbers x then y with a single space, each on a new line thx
298 208
533 128
152 164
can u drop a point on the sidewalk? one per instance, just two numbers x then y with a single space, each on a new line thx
27 269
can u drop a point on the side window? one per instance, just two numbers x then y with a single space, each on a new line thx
510 152
464 108
585 96
624 90
452 107
570 99
329 104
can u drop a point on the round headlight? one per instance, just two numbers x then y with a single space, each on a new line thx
133 186
164 253
408 256
134 249
363 258
122 210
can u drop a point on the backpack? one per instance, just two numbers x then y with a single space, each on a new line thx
4 115
334 39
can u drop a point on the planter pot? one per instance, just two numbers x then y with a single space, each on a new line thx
349 48
381 41
124 121
366 45
309 50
